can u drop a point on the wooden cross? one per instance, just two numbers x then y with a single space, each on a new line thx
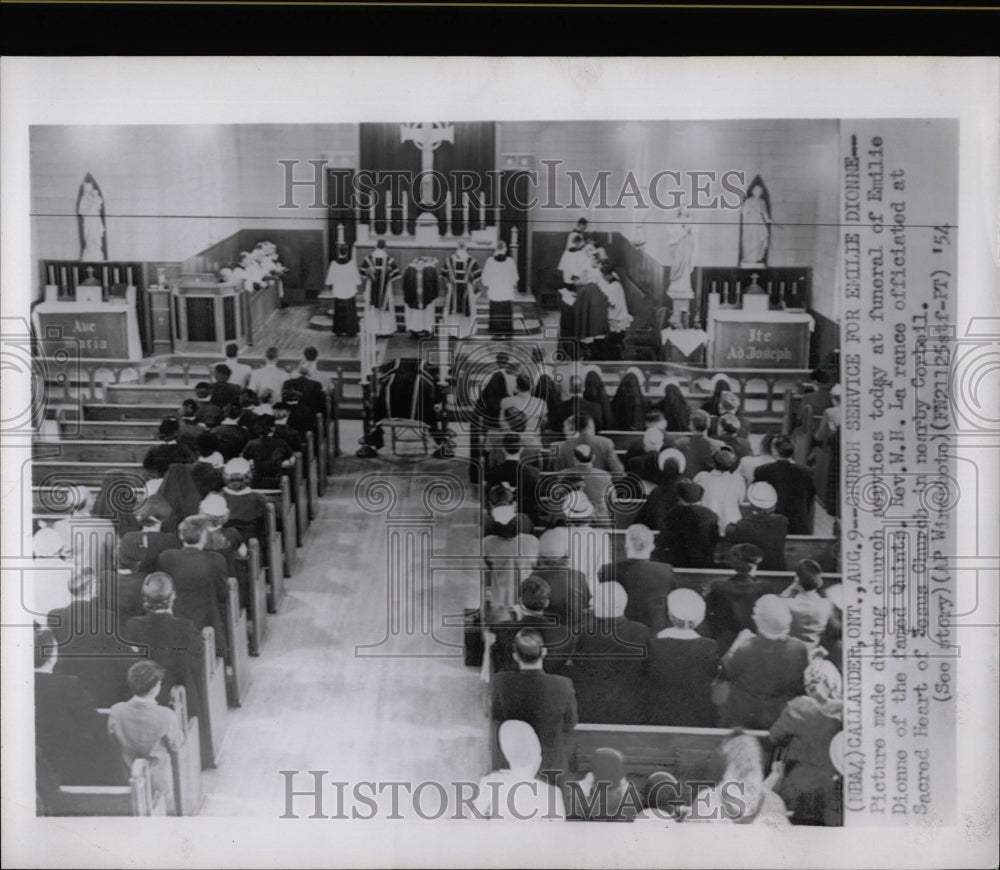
428 137
753 277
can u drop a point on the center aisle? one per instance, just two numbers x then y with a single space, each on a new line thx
315 705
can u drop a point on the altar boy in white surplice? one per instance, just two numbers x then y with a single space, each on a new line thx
461 272
500 280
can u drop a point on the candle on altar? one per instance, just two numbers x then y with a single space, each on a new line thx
371 216
447 210
404 203
482 211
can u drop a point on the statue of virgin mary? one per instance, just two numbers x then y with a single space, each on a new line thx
90 208
755 225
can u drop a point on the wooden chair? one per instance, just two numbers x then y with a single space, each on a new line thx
403 432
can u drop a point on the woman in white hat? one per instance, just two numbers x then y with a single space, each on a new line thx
762 526
811 611
807 726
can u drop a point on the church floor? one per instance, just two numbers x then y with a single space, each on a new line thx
315 704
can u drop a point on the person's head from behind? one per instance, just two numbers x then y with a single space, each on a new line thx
655 419
248 398
193 531
155 512
523 383
809 575
46 649
767 443
671 462
686 609
290 394
305 367
639 541
729 402
652 439
189 408
729 425
236 474
512 445
744 558
689 492
271 355
581 225
145 679
583 424
222 373
280 413
772 617
81 583
202 390
158 592
215 510
819 377
553 545
724 459
583 453
610 601
783 447
744 758
231 413
520 746
529 649
535 594
263 425
310 354
836 394
699 421
232 350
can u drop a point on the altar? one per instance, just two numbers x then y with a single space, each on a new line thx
88 328
404 249
759 339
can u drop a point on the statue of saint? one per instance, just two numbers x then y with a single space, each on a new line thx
90 208
755 225
681 247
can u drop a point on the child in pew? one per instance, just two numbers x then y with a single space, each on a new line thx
246 507
144 729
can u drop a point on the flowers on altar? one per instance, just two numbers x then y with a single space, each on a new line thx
256 267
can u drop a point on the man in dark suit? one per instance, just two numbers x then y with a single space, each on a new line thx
762 527
580 429
691 530
609 661
310 390
545 701
697 447
174 643
223 391
231 436
520 476
576 405
88 646
596 481
647 584
69 733
793 484
199 578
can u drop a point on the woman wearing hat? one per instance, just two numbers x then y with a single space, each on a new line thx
729 603
762 527
764 670
690 530
811 611
682 667
724 488
807 726
509 555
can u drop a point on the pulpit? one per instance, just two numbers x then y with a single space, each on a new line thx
209 314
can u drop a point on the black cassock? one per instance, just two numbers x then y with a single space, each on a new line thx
406 390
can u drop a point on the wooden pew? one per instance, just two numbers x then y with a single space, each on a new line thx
275 570
285 523
238 665
150 410
111 430
313 461
134 799
250 568
50 472
690 754
78 450
299 495
186 760
215 707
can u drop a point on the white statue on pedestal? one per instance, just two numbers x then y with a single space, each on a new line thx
90 208
680 243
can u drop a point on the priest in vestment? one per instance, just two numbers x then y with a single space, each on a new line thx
420 291
500 280
461 272
343 279
380 272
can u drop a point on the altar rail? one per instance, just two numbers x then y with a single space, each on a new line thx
786 286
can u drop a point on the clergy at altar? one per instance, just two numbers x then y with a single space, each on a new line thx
500 280
343 279
461 272
420 292
380 273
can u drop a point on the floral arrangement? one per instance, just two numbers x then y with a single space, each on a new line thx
256 267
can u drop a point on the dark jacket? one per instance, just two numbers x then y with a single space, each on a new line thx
175 644
548 704
794 486
767 531
679 684
690 535
200 582
608 670
648 584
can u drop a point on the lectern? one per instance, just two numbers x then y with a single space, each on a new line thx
208 314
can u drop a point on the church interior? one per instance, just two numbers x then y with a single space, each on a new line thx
430 395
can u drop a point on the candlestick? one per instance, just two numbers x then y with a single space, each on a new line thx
371 217
405 207
482 211
447 211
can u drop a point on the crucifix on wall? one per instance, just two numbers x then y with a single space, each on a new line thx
428 136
